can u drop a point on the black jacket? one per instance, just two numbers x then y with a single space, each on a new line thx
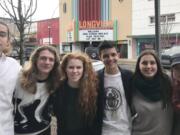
59 99
126 80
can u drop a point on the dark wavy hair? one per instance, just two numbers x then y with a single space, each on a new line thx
165 83
29 72
88 82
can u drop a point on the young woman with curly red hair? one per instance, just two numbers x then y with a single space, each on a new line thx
75 102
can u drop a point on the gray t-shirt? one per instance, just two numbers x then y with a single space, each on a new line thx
151 118
117 119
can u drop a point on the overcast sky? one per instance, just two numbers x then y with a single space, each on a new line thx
46 9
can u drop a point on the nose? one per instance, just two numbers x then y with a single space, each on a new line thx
110 57
47 61
148 65
74 69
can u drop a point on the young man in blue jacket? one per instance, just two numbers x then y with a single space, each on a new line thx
115 88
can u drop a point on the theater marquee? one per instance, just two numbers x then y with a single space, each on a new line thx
87 31
96 35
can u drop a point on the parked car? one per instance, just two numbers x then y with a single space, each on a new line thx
27 52
97 64
92 52
14 54
166 55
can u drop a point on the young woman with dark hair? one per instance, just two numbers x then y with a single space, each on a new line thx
151 102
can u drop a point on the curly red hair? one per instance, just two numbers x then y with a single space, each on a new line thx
88 82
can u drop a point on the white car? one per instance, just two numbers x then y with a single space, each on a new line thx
97 65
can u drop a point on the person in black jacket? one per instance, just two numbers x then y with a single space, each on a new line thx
75 101
115 88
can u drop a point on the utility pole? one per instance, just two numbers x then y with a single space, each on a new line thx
49 34
157 27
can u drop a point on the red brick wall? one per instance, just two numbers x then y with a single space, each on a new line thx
43 31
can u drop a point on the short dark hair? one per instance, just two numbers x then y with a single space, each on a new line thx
106 45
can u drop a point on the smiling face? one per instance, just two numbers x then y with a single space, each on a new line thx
109 57
4 40
74 71
148 66
45 63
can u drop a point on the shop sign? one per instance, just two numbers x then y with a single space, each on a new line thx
95 35
95 24
46 41
70 36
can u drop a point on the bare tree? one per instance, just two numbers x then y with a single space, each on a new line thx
21 12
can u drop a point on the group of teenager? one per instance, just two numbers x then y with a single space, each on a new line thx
111 101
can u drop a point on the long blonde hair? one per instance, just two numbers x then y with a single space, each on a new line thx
29 72
88 83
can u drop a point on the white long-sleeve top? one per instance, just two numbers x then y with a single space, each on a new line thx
9 69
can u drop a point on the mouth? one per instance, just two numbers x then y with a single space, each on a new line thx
75 76
47 68
110 62
149 73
